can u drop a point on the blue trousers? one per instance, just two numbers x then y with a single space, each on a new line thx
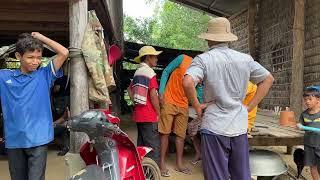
225 157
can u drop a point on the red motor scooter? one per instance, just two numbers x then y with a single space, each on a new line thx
110 154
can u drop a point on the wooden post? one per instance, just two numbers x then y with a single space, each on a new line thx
78 10
289 149
252 10
296 88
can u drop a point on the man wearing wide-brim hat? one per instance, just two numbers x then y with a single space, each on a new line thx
143 91
225 74
146 54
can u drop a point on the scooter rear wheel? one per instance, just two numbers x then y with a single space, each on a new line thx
150 169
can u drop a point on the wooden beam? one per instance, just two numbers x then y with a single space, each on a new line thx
115 13
10 37
104 16
275 141
296 88
33 16
79 75
237 14
33 26
53 6
212 3
252 11
41 2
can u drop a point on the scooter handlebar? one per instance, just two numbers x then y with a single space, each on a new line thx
92 122
111 127
92 127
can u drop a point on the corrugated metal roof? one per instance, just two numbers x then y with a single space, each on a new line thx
217 7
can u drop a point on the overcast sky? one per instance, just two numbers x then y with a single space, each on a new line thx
137 8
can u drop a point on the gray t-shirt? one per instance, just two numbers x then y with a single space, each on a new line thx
313 120
225 74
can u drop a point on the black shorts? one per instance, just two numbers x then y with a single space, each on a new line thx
311 155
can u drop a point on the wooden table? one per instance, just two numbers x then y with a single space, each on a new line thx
270 133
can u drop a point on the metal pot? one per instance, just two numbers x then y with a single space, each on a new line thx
266 163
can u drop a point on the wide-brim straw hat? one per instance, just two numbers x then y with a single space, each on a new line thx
146 50
219 30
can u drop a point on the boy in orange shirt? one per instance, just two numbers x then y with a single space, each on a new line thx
174 111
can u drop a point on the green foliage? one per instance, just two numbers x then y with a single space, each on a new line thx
129 66
12 63
172 26
139 30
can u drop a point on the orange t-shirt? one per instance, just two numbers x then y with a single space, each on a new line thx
174 93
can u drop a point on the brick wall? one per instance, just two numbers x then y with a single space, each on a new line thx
312 43
275 37
274 45
239 26
274 40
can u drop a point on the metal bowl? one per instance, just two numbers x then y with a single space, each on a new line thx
266 163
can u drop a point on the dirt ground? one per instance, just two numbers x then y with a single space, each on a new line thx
56 167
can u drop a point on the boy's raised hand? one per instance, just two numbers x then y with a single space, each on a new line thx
62 52
37 35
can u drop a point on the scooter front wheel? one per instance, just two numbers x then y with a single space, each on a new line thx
150 169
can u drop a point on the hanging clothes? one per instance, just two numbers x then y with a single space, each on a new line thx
96 59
